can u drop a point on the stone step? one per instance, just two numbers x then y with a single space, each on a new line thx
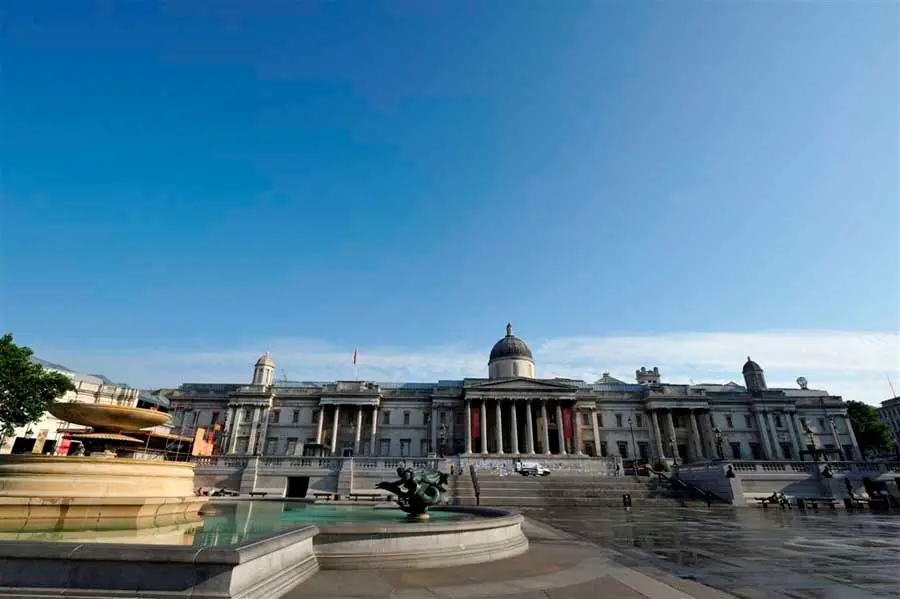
567 502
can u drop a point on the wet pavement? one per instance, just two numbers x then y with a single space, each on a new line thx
750 552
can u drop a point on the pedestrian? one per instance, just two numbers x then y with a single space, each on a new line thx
617 468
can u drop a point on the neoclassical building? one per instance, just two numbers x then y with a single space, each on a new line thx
514 413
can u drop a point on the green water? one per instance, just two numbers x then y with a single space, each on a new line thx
224 523
239 521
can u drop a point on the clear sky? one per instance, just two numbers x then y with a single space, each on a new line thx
188 184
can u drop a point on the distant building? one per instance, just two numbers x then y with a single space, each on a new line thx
514 413
889 412
45 435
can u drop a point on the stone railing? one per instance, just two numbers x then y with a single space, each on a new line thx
367 464
750 467
220 461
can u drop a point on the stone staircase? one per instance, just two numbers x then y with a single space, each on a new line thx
558 490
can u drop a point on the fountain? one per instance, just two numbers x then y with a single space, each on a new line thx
100 490
416 493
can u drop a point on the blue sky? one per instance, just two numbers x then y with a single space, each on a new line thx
189 184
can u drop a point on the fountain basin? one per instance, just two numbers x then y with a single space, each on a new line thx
108 417
492 534
71 491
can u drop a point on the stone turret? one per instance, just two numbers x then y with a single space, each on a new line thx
754 379
647 377
264 371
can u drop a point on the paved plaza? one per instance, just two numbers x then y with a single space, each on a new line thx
558 566
753 553
662 553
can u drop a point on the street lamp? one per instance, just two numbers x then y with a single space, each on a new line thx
443 440
633 448
719 441
673 441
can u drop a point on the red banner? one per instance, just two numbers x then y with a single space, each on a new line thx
567 423
476 423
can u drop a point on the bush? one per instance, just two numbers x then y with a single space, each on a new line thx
660 467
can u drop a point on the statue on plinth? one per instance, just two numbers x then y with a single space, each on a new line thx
417 492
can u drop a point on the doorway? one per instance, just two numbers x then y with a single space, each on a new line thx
297 486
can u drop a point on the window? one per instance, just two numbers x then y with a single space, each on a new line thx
643 450
276 416
735 450
248 413
404 447
618 421
385 417
677 421
585 419
215 419
748 421
729 422
425 447
295 417
442 417
315 416
271 446
639 421
600 422
756 451
778 423
623 448
603 449
384 448
291 447
426 418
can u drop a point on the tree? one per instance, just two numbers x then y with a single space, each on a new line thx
26 388
871 433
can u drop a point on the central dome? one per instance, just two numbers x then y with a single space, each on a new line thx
510 347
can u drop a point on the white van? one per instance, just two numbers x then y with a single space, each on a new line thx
531 469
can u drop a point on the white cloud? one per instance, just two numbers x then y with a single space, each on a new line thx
853 364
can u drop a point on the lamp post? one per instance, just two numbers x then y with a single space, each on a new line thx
811 436
674 444
443 440
633 447
719 441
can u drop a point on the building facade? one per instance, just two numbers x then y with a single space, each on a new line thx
889 412
513 413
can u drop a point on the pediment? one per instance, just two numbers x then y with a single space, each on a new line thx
520 384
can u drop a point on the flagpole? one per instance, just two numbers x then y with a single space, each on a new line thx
355 365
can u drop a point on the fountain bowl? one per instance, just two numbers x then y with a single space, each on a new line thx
108 417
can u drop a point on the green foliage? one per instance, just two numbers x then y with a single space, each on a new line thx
660 467
26 389
871 433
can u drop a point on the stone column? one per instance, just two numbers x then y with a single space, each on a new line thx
254 432
372 446
792 433
529 424
358 431
434 430
320 425
857 454
762 435
671 440
515 427
334 429
233 439
773 436
576 433
484 443
560 430
801 434
596 424
468 427
499 414
698 439
546 427
660 448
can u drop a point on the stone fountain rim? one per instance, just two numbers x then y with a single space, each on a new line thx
490 518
